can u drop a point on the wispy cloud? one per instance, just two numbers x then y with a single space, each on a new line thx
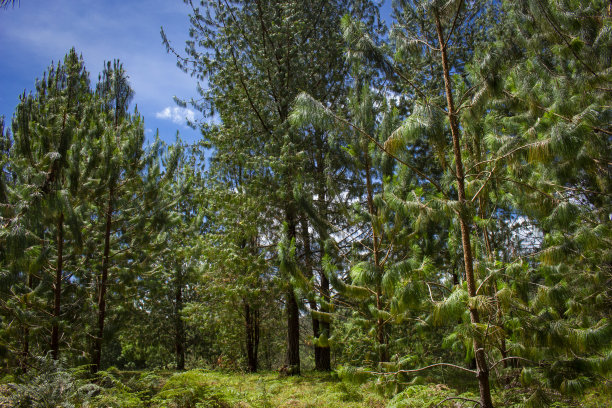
176 115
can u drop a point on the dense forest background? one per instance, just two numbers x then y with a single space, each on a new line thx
393 204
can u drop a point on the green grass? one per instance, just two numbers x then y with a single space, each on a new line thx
213 389
311 390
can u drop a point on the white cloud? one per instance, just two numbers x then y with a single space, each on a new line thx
176 115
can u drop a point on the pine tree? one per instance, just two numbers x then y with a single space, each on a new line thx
555 124
273 41
46 127
123 164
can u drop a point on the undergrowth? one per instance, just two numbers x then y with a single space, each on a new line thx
50 385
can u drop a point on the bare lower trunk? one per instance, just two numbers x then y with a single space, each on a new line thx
97 355
293 312
251 321
57 288
482 367
293 333
25 351
323 362
308 272
324 327
179 327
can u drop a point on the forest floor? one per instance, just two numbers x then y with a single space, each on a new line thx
268 389
217 389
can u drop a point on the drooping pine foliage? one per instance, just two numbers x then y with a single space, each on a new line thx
427 204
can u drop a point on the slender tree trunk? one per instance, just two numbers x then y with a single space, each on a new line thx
293 333
57 288
482 367
324 358
251 321
325 329
381 336
25 351
311 300
97 355
293 312
179 326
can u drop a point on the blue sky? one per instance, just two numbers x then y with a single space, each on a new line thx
38 32
41 31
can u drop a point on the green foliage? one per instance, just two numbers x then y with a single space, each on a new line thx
416 396
189 390
49 385
440 194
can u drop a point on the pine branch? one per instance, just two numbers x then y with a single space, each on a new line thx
423 369
564 39
450 33
511 358
553 199
309 99
484 184
5 3
569 120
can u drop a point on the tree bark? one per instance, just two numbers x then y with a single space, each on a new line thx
25 351
324 359
311 299
251 321
57 288
179 326
482 368
293 312
324 327
97 355
381 336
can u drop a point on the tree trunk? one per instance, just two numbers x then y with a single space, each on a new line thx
381 332
57 288
293 312
179 327
324 326
97 355
381 337
479 351
311 299
251 322
25 351
324 358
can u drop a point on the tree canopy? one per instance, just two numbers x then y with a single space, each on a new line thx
397 204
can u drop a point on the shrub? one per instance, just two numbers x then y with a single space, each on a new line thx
189 390
48 385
